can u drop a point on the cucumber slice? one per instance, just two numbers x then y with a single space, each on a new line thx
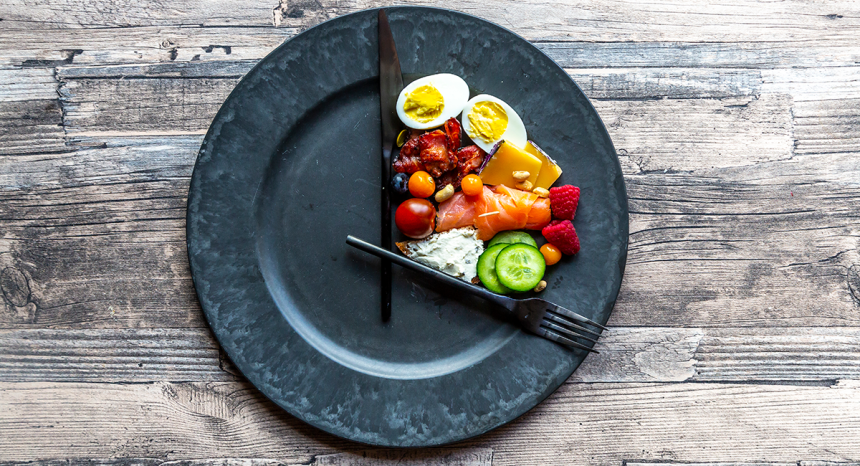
487 269
512 237
520 267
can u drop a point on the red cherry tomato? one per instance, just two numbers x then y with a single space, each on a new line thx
415 218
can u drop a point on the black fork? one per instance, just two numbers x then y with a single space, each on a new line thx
535 315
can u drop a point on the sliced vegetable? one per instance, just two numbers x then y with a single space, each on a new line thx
512 237
520 267
487 269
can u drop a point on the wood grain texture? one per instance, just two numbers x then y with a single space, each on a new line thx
627 354
428 457
31 127
717 254
176 46
120 355
675 20
622 421
798 463
131 105
736 336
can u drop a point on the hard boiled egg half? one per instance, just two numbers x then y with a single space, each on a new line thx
488 120
428 102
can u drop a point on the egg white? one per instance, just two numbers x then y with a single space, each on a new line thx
515 133
455 93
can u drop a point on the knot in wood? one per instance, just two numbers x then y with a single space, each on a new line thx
16 289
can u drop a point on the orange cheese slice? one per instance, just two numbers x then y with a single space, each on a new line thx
507 160
549 171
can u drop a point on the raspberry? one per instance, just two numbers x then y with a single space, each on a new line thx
563 201
562 235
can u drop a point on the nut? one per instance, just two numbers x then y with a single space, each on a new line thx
521 175
476 280
445 193
541 192
540 286
525 185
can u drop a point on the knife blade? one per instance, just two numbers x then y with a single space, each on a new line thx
390 85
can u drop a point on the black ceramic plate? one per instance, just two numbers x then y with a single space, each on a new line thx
290 166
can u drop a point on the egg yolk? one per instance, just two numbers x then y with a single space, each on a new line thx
487 121
424 104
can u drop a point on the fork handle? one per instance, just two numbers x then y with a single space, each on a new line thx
443 277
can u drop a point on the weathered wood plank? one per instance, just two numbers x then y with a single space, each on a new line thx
175 47
669 463
42 48
635 354
130 271
139 105
734 251
827 126
654 83
31 119
749 55
813 84
826 463
31 127
88 462
740 21
694 134
117 355
423 457
100 236
427 457
780 354
24 84
612 422
100 163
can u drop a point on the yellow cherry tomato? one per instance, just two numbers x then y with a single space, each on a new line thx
551 254
421 184
472 185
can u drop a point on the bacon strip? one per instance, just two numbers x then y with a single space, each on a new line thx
409 160
453 131
434 153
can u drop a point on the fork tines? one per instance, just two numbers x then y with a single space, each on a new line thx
551 335
567 313
562 326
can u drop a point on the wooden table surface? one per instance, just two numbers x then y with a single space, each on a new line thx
736 336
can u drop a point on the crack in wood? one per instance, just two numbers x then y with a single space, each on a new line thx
853 277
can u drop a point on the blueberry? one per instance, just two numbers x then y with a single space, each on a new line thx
400 183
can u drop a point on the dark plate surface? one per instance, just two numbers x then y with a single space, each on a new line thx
290 166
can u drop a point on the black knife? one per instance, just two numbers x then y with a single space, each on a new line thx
390 85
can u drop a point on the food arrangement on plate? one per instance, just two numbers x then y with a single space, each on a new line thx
492 190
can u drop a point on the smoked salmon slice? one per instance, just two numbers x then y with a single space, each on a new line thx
497 208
